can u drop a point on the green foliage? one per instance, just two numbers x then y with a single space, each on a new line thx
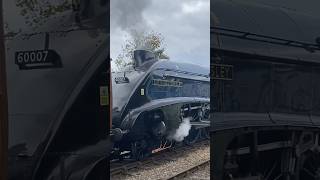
151 41
37 11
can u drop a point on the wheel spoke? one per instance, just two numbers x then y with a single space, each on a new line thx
308 172
193 136
278 177
270 172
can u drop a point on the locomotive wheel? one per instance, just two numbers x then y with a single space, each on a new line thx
205 133
139 150
194 135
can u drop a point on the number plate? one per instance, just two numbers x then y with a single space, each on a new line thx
121 80
222 71
37 59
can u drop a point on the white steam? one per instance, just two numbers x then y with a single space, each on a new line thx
182 132
128 15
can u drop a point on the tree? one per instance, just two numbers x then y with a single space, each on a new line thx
36 12
151 41
55 16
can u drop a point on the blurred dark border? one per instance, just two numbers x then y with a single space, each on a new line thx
3 105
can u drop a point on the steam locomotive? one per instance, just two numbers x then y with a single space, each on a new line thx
152 99
57 75
265 95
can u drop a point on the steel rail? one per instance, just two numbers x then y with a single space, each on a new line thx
124 167
190 170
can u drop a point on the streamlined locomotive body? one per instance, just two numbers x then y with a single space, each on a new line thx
265 96
57 72
151 101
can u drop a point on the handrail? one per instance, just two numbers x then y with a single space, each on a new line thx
264 38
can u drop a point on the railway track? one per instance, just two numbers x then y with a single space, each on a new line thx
127 168
188 171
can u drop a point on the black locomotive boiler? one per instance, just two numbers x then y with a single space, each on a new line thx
156 103
265 95
58 103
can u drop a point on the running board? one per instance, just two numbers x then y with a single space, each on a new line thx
200 124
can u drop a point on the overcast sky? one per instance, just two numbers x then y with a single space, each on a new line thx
184 24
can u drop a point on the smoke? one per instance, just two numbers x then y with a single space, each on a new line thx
128 15
182 132
130 24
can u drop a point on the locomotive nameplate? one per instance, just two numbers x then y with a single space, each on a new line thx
37 59
222 71
168 83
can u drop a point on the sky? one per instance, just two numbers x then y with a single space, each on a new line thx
184 24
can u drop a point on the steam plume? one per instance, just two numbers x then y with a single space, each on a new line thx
128 15
182 132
